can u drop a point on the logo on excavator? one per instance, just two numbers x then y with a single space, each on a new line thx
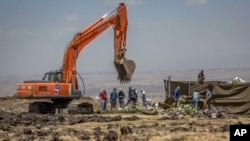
57 88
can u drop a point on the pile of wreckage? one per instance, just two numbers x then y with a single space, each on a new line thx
186 108
231 98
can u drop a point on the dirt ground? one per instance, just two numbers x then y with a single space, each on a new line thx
18 125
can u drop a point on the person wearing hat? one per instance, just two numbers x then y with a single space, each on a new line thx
176 96
121 97
143 93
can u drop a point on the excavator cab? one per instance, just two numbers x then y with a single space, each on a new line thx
53 76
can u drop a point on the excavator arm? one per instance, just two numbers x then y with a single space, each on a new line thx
124 67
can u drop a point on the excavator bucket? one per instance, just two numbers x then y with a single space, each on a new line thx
125 70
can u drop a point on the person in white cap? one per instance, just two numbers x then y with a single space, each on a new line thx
144 102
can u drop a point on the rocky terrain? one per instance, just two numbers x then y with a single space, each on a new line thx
17 124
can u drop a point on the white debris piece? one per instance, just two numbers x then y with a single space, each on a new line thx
97 98
148 102
237 80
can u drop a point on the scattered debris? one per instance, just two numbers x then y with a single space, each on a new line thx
237 80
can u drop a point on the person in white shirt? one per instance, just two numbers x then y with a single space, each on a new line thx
144 102
196 97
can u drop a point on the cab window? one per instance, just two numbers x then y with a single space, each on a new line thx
48 77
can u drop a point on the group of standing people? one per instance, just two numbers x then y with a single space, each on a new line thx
120 97
196 95
208 97
133 96
196 98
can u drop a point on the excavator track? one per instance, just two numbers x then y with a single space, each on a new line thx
77 107
60 107
125 70
41 107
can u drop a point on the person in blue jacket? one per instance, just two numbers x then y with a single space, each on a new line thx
176 96
113 99
208 99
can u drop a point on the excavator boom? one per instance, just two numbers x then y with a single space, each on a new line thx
125 68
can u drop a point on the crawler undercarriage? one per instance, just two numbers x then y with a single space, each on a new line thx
59 107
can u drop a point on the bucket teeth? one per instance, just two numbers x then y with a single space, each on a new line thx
125 70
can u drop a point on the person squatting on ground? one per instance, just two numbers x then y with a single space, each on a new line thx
201 77
103 97
121 97
176 96
143 97
208 99
196 97
113 99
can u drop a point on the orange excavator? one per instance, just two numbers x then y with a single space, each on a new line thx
61 86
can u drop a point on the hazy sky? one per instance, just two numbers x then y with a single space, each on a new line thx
162 34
